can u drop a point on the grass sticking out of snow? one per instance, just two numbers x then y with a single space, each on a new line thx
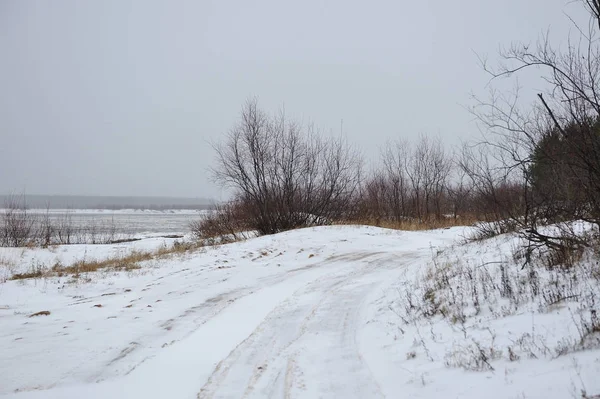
479 307
411 224
132 260
336 311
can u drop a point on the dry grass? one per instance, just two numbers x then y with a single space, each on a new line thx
122 262
7 268
42 313
415 224
32 274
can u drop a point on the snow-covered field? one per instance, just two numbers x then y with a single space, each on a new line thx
28 259
338 311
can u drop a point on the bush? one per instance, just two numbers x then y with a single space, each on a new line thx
226 222
285 176
20 227
17 223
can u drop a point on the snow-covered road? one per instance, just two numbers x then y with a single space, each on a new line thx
307 345
273 317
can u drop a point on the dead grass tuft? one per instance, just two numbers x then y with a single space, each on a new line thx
414 224
125 262
121 262
22 276
42 313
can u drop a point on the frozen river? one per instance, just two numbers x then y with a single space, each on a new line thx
129 222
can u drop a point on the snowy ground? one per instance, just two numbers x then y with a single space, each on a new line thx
24 260
319 312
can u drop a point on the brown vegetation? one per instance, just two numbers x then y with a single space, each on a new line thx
42 313
123 262
284 175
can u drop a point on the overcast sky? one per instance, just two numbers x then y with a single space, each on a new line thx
123 97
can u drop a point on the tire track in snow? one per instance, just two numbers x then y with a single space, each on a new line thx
199 314
265 364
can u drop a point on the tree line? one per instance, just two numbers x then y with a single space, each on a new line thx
285 176
535 163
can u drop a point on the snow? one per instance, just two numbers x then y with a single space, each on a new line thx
317 312
23 260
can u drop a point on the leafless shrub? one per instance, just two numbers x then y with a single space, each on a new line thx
46 228
588 327
286 175
512 356
486 230
224 223
497 191
549 150
17 223
473 357
412 185
531 345
564 256
64 228
90 233
20 227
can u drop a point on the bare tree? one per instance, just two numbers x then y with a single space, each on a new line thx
395 190
436 168
224 222
553 150
287 175
17 224
460 193
496 188
46 228
411 183
64 229
428 168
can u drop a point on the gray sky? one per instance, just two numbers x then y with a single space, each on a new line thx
122 97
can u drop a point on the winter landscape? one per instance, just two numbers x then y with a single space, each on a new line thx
342 199
332 311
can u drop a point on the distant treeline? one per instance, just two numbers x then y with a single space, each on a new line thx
110 202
